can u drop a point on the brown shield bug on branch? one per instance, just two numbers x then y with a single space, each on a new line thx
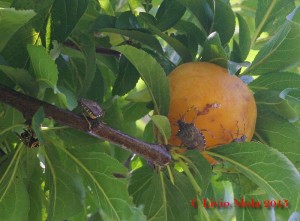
92 110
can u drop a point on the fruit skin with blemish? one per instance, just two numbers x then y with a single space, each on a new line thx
198 84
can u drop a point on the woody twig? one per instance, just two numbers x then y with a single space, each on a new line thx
29 105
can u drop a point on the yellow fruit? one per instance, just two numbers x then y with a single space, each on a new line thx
195 85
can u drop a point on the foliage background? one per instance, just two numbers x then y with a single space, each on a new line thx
61 50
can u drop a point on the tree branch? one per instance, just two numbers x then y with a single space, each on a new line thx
99 50
29 105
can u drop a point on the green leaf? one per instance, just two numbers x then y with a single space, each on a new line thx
253 214
163 60
201 10
266 167
15 51
213 51
44 67
200 168
98 87
163 125
66 98
270 58
10 21
107 7
280 134
191 31
223 20
270 14
152 74
182 51
162 199
148 135
86 45
279 92
134 111
244 37
143 37
108 193
280 103
214 16
127 78
22 78
168 14
276 81
35 190
37 120
127 20
14 204
64 16
139 96
66 191
14 199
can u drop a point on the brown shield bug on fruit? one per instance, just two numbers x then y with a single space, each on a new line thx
191 137
92 109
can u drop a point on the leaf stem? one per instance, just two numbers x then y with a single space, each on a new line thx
262 23
260 138
171 175
10 128
190 176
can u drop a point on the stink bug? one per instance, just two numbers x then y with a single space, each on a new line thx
189 134
28 138
92 109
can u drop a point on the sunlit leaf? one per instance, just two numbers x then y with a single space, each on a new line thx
280 134
270 58
152 74
107 7
108 192
163 125
266 167
276 81
44 67
10 21
280 103
271 14
213 51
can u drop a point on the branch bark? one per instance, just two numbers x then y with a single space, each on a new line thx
29 105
